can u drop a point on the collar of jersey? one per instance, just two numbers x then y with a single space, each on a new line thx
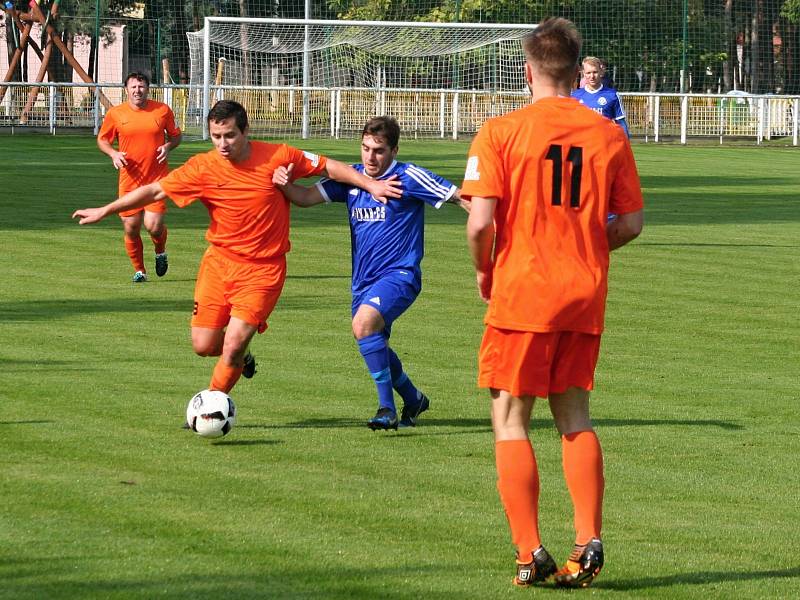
598 90
386 173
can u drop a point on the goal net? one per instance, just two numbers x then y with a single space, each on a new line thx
326 78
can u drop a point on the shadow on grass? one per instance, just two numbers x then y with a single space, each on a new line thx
30 422
702 578
483 425
45 578
247 442
49 309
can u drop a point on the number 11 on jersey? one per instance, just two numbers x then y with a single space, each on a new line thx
575 159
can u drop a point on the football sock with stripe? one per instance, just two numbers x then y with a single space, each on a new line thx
134 248
582 460
224 376
160 242
376 356
401 382
518 484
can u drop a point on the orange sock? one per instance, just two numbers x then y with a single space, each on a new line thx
224 377
160 242
518 484
133 246
582 459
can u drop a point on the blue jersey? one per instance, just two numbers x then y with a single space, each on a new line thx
605 101
388 237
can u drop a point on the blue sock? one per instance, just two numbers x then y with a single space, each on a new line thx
376 354
401 382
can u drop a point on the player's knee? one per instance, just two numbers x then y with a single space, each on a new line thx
204 346
204 349
364 328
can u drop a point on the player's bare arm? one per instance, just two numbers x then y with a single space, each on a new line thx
163 151
625 228
480 239
297 194
117 157
459 201
381 189
138 198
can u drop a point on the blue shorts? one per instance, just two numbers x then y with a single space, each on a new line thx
391 296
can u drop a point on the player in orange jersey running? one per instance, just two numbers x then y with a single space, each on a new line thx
242 272
542 181
139 126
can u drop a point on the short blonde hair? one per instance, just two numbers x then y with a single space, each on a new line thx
595 62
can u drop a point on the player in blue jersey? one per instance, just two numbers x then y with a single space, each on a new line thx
387 247
597 96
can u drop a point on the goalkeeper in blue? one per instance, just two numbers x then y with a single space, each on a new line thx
387 243
597 96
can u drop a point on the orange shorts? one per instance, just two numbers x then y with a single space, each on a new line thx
529 363
159 206
231 288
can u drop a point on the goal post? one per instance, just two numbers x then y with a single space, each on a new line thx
318 77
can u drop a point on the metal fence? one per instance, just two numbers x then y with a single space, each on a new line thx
451 114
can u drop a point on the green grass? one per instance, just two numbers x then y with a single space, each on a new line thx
104 496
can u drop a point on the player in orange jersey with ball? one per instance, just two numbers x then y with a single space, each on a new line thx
542 181
242 272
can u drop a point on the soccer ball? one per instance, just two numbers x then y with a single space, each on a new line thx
211 413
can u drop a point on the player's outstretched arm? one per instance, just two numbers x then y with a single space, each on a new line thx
138 198
480 239
297 194
624 228
381 189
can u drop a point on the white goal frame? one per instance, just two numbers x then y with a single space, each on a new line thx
209 21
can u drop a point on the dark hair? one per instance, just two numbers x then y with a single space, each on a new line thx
385 127
225 109
138 76
554 47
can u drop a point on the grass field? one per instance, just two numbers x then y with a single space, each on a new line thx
104 496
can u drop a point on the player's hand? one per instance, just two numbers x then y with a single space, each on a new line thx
283 175
162 152
119 160
88 215
385 189
484 285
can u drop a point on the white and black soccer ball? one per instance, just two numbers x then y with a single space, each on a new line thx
211 413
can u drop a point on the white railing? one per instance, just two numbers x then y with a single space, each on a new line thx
446 113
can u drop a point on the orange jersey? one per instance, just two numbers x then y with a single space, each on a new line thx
557 169
249 215
139 133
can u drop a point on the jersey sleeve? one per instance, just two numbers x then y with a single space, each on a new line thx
626 190
427 186
619 112
306 164
332 190
170 127
185 184
484 175
108 130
